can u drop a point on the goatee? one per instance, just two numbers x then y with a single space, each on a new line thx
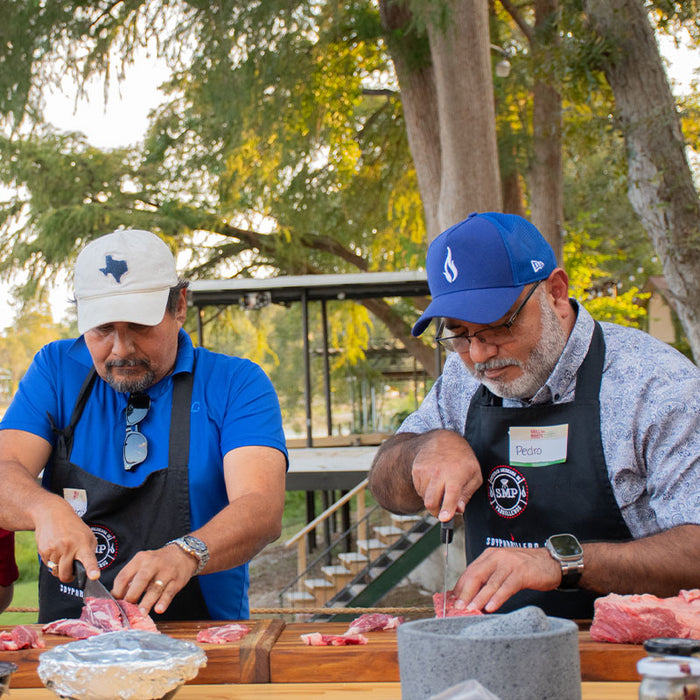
130 385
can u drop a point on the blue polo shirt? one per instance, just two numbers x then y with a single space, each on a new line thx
233 405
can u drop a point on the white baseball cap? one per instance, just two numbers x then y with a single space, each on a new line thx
123 276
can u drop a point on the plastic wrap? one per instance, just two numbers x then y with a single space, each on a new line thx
123 665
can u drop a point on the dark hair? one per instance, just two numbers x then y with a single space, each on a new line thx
174 295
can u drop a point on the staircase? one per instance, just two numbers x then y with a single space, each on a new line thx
387 547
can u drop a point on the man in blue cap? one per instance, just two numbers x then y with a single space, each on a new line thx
571 447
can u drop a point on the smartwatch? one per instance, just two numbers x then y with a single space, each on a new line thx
567 550
195 548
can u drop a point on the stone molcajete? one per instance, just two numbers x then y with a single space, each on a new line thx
524 655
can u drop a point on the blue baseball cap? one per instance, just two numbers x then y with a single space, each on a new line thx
478 267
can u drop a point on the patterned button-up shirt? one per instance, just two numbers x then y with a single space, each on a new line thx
650 419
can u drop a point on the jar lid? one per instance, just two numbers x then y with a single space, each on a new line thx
669 666
672 646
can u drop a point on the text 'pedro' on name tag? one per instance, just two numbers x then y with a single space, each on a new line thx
538 446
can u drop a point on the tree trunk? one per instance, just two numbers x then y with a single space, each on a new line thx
461 53
449 109
546 174
661 187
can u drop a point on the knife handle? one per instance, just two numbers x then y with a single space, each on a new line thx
447 531
79 573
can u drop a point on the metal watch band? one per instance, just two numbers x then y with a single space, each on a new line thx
202 556
570 575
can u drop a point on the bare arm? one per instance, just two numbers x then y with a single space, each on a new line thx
61 536
255 484
661 564
436 470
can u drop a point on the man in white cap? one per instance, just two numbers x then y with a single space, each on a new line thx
163 465
571 447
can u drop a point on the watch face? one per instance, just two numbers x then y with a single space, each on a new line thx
196 544
566 546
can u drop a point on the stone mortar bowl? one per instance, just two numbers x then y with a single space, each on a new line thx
524 655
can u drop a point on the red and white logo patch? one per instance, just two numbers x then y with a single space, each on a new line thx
508 492
107 546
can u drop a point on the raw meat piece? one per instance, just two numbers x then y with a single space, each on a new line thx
102 613
78 629
316 639
20 637
632 619
137 619
369 622
450 610
223 634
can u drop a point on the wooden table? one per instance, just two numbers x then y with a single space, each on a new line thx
246 661
292 662
328 691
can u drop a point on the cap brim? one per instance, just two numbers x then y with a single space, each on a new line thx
144 308
471 306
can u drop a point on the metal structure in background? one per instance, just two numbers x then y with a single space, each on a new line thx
256 293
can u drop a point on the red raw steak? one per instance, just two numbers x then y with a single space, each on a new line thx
78 629
631 619
450 610
370 622
20 637
223 634
316 639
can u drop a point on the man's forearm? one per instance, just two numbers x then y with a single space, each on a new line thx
661 564
390 477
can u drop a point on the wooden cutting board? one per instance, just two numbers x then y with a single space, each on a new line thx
245 661
293 662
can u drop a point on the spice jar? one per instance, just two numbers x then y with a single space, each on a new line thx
669 678
672 646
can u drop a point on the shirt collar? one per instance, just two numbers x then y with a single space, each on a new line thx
562 381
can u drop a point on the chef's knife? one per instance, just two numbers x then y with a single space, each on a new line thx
446 534
94 589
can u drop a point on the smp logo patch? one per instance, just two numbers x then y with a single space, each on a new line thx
107 546
508 494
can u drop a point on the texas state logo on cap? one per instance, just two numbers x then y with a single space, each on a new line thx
478 267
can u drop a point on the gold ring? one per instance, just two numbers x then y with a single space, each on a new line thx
51 565
158 582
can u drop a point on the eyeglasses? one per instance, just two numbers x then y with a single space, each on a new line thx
135 443
491 335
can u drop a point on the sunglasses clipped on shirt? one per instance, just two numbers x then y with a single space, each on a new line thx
135 444
491 335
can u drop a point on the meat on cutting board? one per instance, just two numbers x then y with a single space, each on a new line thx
316 639
78 629
371 622
631 619
20 637
102 615
450 610
223 634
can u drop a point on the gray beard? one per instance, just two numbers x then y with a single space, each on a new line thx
538 366
130 385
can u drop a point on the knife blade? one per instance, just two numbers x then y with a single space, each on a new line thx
446 535
95 589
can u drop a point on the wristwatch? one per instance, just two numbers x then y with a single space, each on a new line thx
195 548
567 550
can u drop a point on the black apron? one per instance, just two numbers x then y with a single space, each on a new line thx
524 505
126 520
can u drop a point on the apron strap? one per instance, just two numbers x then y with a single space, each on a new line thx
179 446
591 369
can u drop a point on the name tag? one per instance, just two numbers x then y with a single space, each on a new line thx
538 447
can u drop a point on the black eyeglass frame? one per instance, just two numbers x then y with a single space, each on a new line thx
135 449
446 340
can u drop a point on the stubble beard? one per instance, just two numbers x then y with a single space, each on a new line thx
126 386
538 366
